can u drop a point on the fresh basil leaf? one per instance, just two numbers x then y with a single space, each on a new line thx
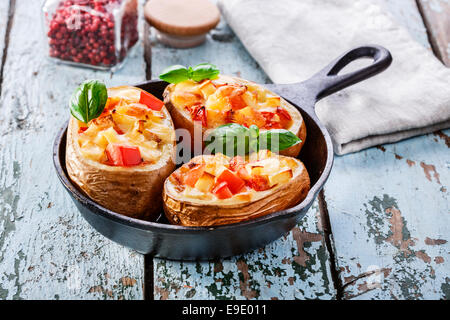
78 104
277 139
230 129
175 74
98 95
204 71
190 72
234 139
88 100
253 138
179 73
230 139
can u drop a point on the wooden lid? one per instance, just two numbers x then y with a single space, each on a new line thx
182 17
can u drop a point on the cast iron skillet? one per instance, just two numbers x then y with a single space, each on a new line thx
200 243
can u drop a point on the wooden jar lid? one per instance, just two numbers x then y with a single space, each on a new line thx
182 17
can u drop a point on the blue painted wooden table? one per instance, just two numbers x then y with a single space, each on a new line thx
380 228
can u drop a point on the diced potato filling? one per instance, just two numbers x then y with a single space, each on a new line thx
205 183
125 122
280 178
222 177
227 100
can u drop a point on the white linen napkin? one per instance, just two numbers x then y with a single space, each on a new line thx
293 39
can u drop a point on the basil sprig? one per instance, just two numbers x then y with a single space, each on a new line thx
277 139
88 100
234 139
179 73
175 74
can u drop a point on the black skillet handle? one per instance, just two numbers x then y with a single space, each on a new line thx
328 81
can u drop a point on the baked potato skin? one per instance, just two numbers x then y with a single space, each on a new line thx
131 191
183 120
187 213
180 119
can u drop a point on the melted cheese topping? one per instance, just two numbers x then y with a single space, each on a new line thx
232 100
264 171
126 121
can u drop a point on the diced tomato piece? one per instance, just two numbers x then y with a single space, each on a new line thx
82 129
191 177
236 163
201 116
114 154
235 184
198 113
150 101
249 116
131 155
234 94
222 191
284 113
228 115
273 122
123 155
237 102
259 183
272 125
268 115
193 109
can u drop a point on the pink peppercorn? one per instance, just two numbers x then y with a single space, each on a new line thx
83 31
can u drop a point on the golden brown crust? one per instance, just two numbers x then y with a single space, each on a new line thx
182 119
132 191
188 213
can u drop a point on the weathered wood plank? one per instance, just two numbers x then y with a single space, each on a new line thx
388 208
47 250
389 212
296 266
436 14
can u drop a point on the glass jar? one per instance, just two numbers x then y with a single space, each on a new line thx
93 33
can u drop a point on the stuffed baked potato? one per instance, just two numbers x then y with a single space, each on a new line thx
213 190
121 158
232 100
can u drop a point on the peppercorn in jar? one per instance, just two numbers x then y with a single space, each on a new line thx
93 33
